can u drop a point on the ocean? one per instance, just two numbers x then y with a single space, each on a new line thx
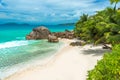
16 53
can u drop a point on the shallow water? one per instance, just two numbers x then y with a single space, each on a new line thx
10 33
24 51
17 53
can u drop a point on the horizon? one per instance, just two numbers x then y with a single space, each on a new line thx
48 12
59 39
14 23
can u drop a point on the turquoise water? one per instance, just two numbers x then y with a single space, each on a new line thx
16 53
15 50
9 33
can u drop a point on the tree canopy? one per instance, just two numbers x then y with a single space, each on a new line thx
103 27
114 2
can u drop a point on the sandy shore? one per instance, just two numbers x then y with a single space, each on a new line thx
70 63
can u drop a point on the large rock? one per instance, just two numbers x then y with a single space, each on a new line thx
78 43
39 33
52 38
60 34
42 33
67 34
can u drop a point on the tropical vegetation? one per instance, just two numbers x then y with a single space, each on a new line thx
103 27
108 68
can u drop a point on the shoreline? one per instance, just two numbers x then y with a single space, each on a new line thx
28 65
66 61
35 61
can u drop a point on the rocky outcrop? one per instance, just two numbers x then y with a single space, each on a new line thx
78 43
67 34
52 38
44 33
38 33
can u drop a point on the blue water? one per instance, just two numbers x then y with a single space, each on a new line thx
15 50
9 33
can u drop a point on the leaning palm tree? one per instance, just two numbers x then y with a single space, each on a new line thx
114 2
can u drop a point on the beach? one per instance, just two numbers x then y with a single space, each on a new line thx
69 63
59 40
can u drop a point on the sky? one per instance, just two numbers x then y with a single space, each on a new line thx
48 11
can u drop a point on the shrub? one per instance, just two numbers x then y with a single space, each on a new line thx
108 68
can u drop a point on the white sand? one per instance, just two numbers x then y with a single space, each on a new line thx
70 63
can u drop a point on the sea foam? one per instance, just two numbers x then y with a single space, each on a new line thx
14 43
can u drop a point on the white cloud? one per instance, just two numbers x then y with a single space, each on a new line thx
50 10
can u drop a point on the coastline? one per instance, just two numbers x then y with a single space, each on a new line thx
69 63
40 60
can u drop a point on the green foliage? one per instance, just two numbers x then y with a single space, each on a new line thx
114 2
103 27
108 68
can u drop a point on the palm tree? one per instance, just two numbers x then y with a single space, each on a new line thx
84 17
114 2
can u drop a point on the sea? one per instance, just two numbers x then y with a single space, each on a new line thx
17 53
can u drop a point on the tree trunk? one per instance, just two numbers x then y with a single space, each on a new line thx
106 47
115 7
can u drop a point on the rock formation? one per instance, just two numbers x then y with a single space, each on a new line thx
44 33
78 43
38 33
67 34
52 38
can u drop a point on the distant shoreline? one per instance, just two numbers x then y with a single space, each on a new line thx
61 24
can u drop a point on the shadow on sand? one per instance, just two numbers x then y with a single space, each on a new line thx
95 52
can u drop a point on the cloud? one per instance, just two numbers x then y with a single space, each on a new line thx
49 11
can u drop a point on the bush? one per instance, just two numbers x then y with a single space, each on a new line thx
108 68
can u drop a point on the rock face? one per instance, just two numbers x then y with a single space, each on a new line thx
44 33
67 34
38 33
52 38
80 43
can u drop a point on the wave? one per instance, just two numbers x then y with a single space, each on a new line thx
15 43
